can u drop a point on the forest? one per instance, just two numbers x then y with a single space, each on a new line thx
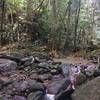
49 49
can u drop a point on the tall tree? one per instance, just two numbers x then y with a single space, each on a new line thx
29 10
54 23
2 13
76 23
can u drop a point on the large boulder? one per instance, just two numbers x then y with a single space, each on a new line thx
90 70
16 97
43 68
5 82
36 86
5 97
96 73
44 65
39 95
88 91
20 86
66 68
65 95
60 90
7 65
28 86
58 86
45 77
80 79
12 58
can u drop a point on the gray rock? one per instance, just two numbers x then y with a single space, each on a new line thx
65 95
19 98
39 95
66 68
88 91
54 72
45 77
96 73
35 86
43 65
80 79
5 97
58 86
20 86
90 70
7 65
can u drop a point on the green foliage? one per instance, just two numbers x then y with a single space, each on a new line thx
84 24
63 27
15 5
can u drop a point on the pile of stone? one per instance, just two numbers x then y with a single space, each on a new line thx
37 77
32 77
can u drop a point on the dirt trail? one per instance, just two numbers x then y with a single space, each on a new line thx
73 60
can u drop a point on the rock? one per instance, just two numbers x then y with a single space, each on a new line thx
43 65
7 82
35 86
80 79
55 63
50 97
7 65
28 61
16 97
37 60
16 55
8 57
5 97
8 89
42 71
28 85
39 95
19 59
96 73
4 83
1 84
54 72
88 91
56 67
43 68
34 76
45 77
89 71
58 86
23 87
41 56
20 86
65 95
66 68
57 77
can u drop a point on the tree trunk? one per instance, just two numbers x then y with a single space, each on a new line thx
29 10
67 29
2 14
76 25
54 34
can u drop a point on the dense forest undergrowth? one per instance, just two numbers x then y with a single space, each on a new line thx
61 25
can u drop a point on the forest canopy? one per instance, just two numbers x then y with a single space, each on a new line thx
61 24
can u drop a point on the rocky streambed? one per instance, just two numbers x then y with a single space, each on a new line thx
37 77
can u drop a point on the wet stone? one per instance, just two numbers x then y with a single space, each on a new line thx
39 95
16 97
45 77
80 79
58 86
7 65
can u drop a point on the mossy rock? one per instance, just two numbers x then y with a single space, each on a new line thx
88 91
